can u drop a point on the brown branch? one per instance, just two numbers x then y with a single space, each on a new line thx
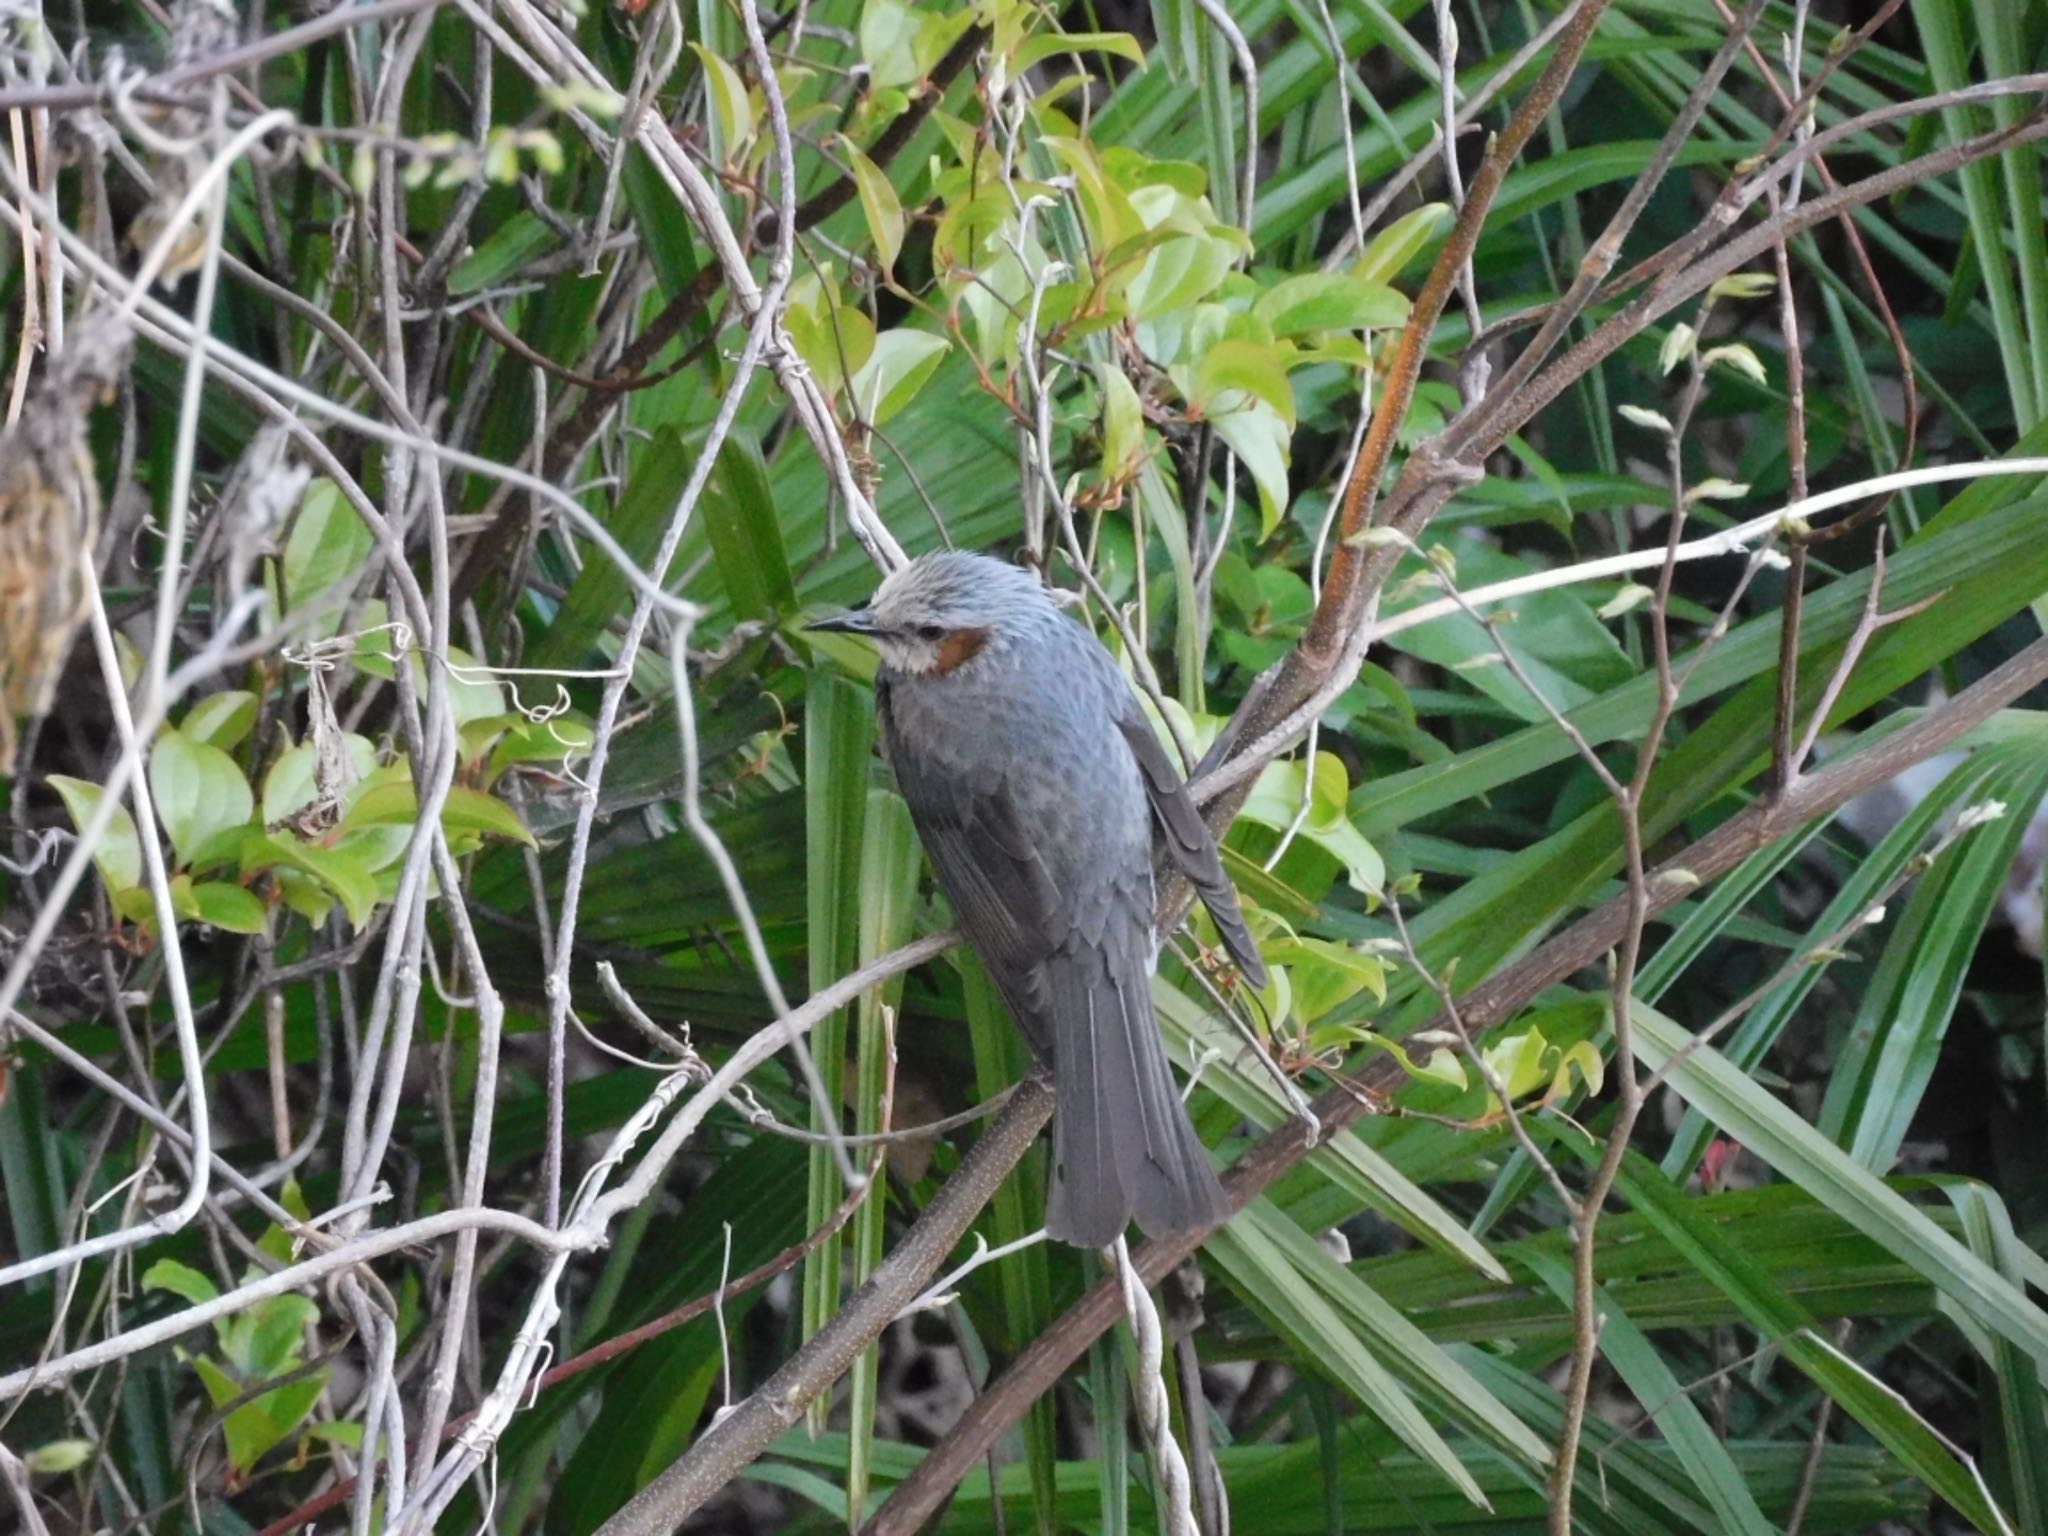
1355 574
1042 1362
734 1441
1606 250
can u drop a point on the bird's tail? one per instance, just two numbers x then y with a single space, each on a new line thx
1123 1145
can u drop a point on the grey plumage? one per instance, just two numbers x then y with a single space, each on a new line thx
1037 785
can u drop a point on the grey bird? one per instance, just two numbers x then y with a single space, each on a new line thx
1037 787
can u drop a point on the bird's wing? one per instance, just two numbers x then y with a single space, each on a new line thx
1188 843
989 866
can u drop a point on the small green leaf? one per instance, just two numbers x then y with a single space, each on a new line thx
470 810
1714 488
342 1433
1656 421
1401 242
1123 424
327 546
1276 800
228 907
728 92
1327 974
58 1457
1738 357
898 367
118 856
221 720
888 42
1260 438
180 1280
276 1340
1632 595
1039 47
289 787
1234 369
878 201
289 1405
1330 301
466 811
1678 346
832 338
514 243
336 870
1743 285
1178 272
199 792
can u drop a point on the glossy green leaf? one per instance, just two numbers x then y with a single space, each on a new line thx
199 791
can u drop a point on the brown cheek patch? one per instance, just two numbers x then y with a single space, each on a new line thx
958 648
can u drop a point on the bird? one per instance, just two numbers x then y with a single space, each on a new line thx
1039 789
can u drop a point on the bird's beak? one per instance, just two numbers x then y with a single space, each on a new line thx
855 621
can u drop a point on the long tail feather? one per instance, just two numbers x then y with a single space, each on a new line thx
1123 1145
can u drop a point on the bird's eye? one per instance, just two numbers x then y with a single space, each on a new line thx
932 633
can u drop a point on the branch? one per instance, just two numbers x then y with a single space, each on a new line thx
733 1443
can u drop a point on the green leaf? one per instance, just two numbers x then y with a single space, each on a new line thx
327 547
1330 301
729 101
221 719
1748 1112
1401 242
1265 1271
199 791
518 240
745 529
1039 47
57 1457
118 854
180 1280
1233 369
1123 424
897 367
276 1338
1176 273
467 814
1260 438
835 340
878 202
1325 974
1787 1325
228 907
336 870
888 42
1887 1060
1277 798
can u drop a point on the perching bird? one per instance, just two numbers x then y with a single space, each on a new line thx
1036 785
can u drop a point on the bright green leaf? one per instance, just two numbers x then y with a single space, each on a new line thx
118 854
199 792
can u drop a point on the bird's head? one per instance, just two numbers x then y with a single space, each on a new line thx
942 612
